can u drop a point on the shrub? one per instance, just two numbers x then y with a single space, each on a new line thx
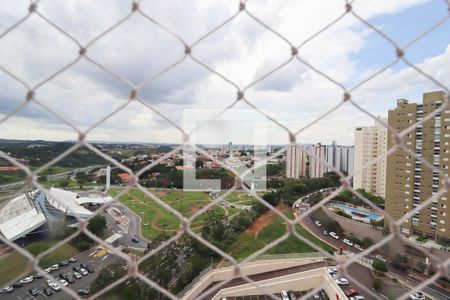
380 266
377 284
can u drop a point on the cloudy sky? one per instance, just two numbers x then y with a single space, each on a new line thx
242 51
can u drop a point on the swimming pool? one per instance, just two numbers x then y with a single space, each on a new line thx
354 212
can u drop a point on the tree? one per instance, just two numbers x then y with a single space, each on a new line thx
377 284
64 183
97 225
380 266
107 276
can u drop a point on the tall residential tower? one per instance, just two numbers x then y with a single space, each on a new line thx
371 143
409 182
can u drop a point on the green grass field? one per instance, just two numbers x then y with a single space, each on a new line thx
157 220
247 243
14 264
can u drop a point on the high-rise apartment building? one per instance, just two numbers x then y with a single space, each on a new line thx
409 182
370 144
339 157
317 157
295 161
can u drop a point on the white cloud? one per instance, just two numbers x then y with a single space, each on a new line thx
242 50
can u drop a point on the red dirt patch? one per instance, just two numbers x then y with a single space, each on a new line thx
264 220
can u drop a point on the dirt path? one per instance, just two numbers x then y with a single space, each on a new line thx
264 220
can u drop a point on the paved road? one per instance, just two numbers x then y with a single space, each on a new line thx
397 289
130 231
88 257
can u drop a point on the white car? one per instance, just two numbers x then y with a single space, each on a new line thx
7 289
332 270
358 247
284 295
63 282
26 280
342 281
54 267
334 235
357 297
325 232
318 223
348 242
83 271
48 270
417 296
55 286
76 275
379 257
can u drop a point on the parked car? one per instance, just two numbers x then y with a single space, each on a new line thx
54 267
73 259
136 239
26 280
332 270
63 282
358 247
284 295
76 269
325 232
83 271
7 289
351 293
348 242
83 292
334 235
48 270
76 275
64 263
90 269
417 296
358 297
70 279
379 257
342 281
55 286
62 275
17 284
48 291
318 223
33 292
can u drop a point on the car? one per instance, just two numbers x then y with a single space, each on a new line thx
70 279
357 297
73 259
325 232
351 293
90 269
83 271
55 286
348 242
63 282
136 239
17 284
76 275
26 280
48 270
332 270
7 289
342 281
334 235
33 292
358 247
284 295
318 223
54 267
64 263
62 275
379 257
292 295
76 269
48 291
83 292
417 296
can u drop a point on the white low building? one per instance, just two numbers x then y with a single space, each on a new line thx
20 217
71 203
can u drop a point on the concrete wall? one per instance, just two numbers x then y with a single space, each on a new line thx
248 269
316 278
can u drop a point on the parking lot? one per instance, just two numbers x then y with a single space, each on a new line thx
97 259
